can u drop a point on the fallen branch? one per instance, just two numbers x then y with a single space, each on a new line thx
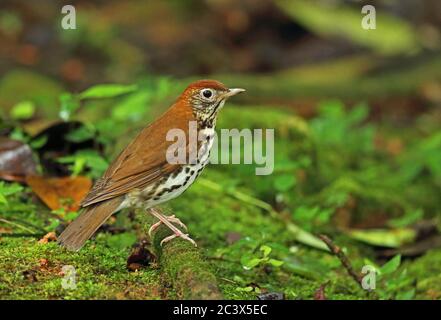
343 258
185 267
336 250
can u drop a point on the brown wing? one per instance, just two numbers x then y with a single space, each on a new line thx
143 161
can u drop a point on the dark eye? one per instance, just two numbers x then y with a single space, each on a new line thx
207 93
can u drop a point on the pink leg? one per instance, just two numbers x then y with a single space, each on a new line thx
168 222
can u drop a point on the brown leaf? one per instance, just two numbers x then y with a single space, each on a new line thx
30 275
59 193
140 257
271 296
320 292
232 237
16 160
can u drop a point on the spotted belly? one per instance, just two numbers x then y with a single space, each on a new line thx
174 184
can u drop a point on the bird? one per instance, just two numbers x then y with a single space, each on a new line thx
142 175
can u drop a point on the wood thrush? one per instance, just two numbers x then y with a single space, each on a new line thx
142 175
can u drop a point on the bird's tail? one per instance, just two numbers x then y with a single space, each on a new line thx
85 225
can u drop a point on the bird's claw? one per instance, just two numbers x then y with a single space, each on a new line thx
172 219
178 235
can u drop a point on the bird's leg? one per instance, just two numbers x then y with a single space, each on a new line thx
168 222
181 235
171 219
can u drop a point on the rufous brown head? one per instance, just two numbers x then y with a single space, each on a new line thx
207 97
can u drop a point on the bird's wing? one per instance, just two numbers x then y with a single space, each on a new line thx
143 162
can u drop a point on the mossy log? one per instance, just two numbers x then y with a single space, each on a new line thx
185 267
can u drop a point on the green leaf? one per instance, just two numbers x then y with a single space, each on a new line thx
80 134
249 264
23 110
285 182
245 289
106 91
393 238
275 263
406 295
266 250
3 199
68 105
407 219
8 189
133 107
86 158
391 266
39 142
54 223
306 238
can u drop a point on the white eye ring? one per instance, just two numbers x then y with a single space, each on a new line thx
207 94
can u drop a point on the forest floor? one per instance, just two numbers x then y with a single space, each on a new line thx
365 185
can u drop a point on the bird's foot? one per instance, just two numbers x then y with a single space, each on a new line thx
178 235
168 221
171 219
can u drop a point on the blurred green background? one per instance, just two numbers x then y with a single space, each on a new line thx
357 116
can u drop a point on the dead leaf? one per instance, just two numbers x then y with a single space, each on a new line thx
59 193
48 237
271 296
16 160
5 230
320 292
43 263
140 257
232 237
30 275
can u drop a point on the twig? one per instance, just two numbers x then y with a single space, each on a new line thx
336 250
343 258
15 224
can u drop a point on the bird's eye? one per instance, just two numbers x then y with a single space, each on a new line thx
207 93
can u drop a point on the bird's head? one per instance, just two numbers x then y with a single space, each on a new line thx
207 97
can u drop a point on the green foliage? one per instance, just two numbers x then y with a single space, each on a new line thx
391 266
106 91
393 238
324 166
68 105
122 240
311 216
393 37
85 162
394 282
7 190
252 261
23 110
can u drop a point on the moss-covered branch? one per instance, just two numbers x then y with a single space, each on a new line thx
184 266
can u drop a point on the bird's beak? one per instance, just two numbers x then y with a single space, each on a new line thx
233 92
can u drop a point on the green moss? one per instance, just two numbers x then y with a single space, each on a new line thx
29 270
426 270
325 177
